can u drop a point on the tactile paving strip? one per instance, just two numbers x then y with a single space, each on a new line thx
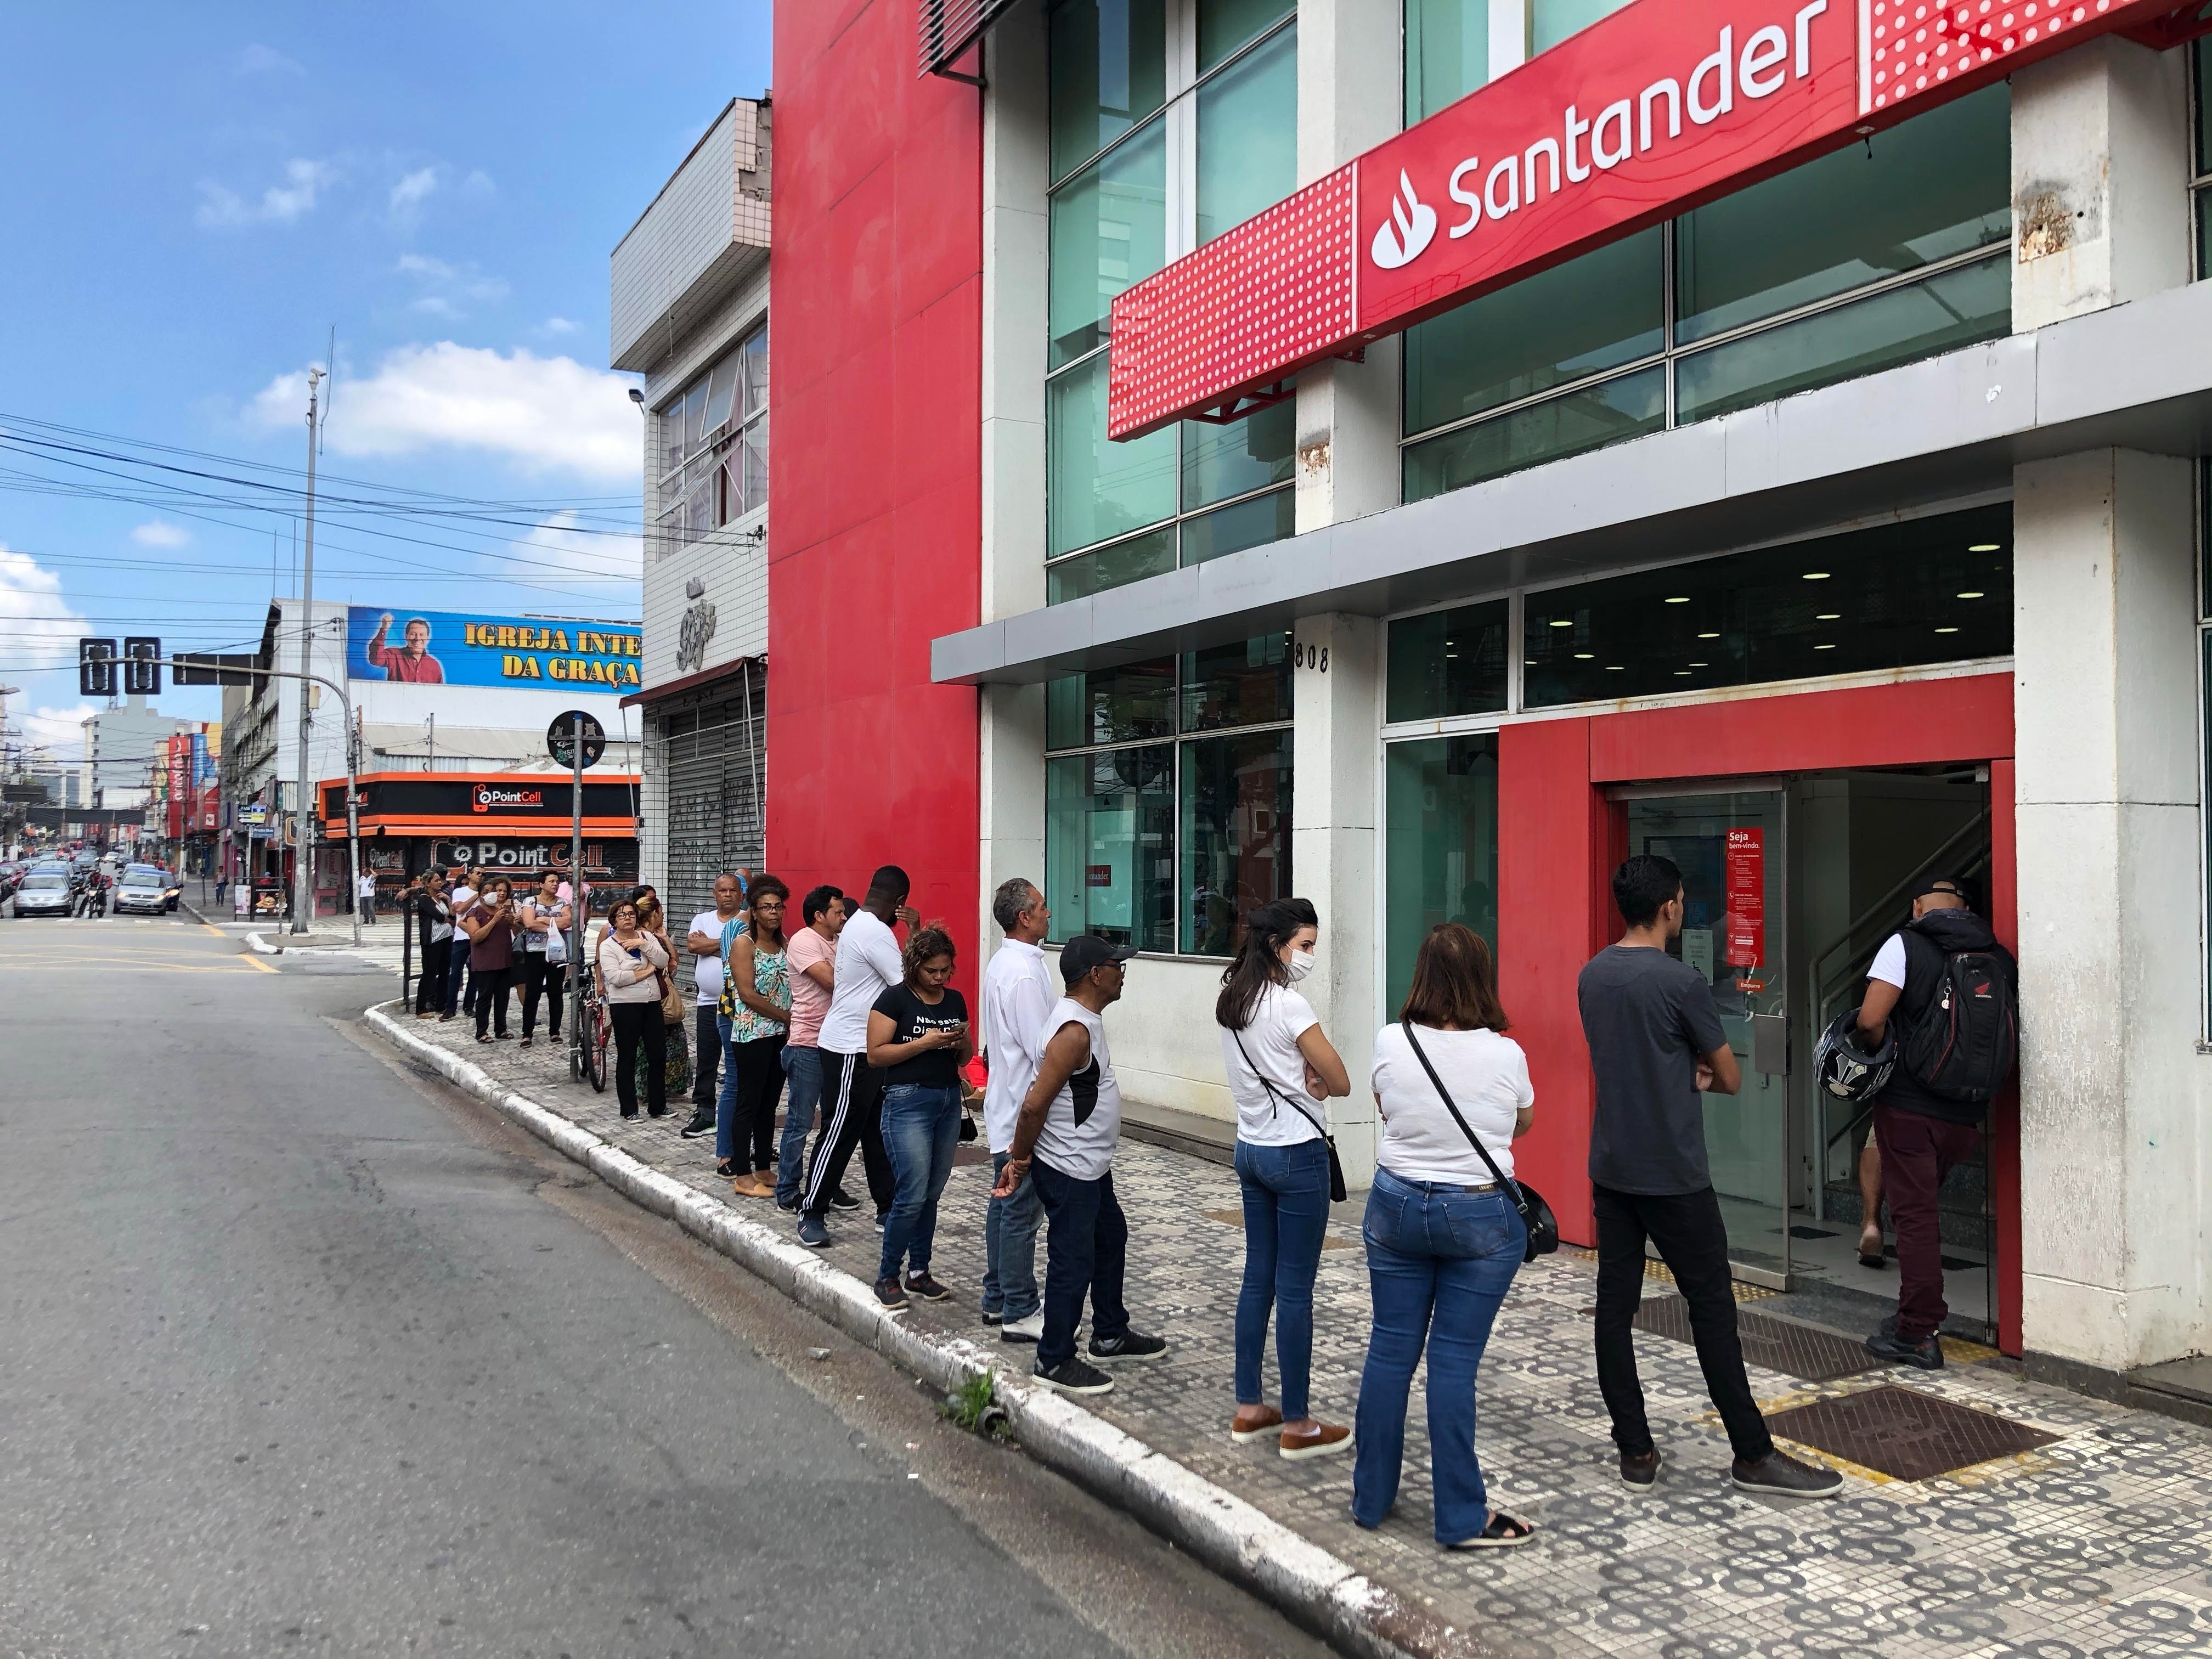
1904 1433
1774 1344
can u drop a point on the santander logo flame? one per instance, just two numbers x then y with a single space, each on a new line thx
1412 226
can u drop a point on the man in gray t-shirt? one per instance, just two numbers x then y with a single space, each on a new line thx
1655 1043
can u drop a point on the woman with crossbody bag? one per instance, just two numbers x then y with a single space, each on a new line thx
1281 1069
1443 1231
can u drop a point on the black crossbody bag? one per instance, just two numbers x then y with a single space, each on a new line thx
1535 1215
1336 1188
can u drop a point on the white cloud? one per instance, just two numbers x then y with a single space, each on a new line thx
448 290
543 414
280 204
557 325
259 59
411 191
40 626
157 533
56 734
559 540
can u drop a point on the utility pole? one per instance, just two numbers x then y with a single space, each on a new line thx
577 905
303 868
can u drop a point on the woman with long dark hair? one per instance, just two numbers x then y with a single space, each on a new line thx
1282 1071
919 1038
1443 1237
757 990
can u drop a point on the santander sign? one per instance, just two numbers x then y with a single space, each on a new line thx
1661 106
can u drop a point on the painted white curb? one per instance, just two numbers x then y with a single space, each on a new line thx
1288 1570
262 946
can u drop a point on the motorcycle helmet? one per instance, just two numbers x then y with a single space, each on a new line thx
1844 1069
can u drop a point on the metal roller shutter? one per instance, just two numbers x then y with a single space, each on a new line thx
714 758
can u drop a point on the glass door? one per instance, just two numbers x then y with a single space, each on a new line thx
1728 843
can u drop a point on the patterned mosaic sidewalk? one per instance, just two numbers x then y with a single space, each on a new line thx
2097 1544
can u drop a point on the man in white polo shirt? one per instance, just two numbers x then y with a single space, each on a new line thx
867 965
704 942
1018 993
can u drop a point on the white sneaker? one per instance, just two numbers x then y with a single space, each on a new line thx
1023 1330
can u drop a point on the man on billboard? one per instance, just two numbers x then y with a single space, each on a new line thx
412 663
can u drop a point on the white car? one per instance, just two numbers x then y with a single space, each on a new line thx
144 890
45 892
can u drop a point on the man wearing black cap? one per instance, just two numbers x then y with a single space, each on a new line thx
1922 1133
1063 1142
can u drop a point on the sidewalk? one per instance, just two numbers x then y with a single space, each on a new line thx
2094 1542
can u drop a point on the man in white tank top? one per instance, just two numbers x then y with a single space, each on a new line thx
1064 1143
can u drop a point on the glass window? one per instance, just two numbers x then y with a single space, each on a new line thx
1111 705
1606 308
1248 135
1440 847
1097 489
2202 51
1226 530
1247 684
1222 461
1938 186
1109 231
1110 566
1225 25
1569 425
756 354
1109 845
720 384
1881 332
1447 53
1235 828
1447 662
1109 72
1550 21
1934 590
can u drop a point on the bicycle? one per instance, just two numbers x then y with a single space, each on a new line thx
587 1051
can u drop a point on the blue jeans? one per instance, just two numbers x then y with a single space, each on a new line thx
1086 1252
1285 1212
457 965
921 1127
802 1075
1439 1261
725 1104
1010 1231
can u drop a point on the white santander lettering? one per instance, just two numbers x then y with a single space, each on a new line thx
1805 36
1466 198
1612 114
1762 52
1549 147
1674 110
1510 170
1723 63
1575 171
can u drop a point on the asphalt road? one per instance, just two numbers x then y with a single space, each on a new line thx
302 1353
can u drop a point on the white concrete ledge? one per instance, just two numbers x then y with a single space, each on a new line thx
1288 1570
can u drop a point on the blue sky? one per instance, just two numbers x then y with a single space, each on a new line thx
194 195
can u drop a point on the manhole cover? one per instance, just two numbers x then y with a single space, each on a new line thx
1904 1434
1776 1345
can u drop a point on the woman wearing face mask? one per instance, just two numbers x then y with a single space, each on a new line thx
1281 1070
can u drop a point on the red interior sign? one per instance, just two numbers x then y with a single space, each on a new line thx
1746 897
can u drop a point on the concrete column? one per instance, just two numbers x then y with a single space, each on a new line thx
2114 1153
2100 172
1351 97
1010 729
1333 852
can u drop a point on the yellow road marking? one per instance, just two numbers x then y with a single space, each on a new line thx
138 963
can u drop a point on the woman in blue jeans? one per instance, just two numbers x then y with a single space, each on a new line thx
1281 1070
918 1037
1444 1238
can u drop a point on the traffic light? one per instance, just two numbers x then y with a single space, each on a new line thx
142 667
95 668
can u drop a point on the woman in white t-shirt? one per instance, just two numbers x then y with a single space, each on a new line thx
1281 1071
1444 1238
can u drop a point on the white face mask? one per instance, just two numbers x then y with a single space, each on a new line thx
1300 964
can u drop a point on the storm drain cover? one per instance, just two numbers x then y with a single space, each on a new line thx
1775 1344
1904 1434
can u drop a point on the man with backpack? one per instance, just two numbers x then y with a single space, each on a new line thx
1951 992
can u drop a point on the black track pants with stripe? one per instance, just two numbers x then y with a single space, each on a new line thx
852 1115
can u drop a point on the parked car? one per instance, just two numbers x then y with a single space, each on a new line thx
47 891
11 875
145 890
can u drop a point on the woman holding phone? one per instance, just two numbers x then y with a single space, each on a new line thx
631 963
491 924
918 1038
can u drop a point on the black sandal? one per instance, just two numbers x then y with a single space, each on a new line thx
1503 1532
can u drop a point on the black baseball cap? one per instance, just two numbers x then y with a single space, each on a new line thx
1087 950
1955 886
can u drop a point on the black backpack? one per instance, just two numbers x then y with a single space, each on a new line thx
1964 1042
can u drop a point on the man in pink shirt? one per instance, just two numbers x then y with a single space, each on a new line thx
813 957
412 663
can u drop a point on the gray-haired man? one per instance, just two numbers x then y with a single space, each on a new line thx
1018 993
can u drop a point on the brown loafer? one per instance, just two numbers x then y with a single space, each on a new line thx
1318 1441
1262 1421
749 1186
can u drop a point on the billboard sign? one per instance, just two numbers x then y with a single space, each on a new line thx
454 648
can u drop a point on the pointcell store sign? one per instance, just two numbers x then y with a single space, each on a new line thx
603 861
1654 109
445 647
491 798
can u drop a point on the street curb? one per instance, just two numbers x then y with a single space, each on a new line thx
1291 1572
263 947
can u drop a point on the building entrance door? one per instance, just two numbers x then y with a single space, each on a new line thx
1731 844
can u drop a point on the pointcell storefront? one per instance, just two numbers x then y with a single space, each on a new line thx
515 825
1413 454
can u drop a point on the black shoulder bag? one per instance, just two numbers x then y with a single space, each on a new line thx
1336 1188
1535 1215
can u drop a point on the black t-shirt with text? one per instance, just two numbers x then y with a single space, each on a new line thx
910 1017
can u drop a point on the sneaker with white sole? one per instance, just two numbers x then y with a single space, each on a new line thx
1130 1344
1319 1441
812 1234
1072 1375
1031 1329
1780 1475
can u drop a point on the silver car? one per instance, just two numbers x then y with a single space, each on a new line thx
144 890
45 892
